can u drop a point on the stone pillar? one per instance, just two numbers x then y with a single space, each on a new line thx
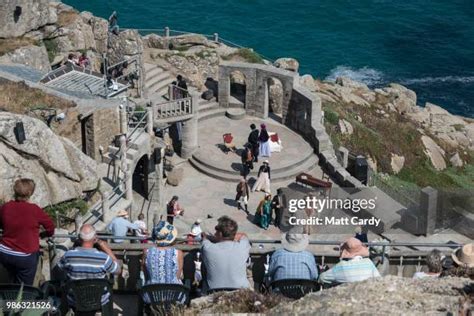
224 87
123 154
149 124
123 120
429 209
216 37
190 131
344 154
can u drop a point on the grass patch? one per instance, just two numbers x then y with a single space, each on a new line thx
331 117
8 45
245 54
66 207
17 97
66 18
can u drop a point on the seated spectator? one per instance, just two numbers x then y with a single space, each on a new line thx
72 60
434 263
120 225
20 221
142 231
173 209
163 264
462 264
195 235
225 256
293 261
87 262
355 265
84 61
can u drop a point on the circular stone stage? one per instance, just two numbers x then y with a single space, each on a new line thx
296 155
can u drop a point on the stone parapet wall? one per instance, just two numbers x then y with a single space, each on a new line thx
304 115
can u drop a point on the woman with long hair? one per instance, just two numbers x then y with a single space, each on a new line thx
264 140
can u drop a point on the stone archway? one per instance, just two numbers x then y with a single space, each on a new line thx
140 176
238 89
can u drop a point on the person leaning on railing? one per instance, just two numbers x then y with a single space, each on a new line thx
20 220
92 259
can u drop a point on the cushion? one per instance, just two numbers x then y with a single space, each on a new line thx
274 138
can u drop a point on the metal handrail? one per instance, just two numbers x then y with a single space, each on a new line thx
129 135
277 241
208 36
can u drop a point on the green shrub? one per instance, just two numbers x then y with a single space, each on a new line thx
51 48
65 207
331 117
247 54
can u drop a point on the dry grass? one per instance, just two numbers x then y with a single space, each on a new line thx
17 97
8 45
66 18
241 301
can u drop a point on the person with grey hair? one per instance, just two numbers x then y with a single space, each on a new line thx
434 264
93 259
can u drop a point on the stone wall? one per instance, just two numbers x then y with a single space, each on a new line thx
304 115
103 125
257 79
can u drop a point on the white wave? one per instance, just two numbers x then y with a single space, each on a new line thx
431 80
367 75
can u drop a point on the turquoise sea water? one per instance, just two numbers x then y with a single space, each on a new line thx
427 45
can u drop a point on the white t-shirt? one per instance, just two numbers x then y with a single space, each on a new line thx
421 275
142 227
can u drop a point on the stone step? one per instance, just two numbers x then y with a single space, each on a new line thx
283 175
203 107
152 72
214 112
151 81
161 85
307 155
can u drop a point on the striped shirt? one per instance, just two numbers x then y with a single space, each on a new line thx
87 263
356 269
285 264
11 252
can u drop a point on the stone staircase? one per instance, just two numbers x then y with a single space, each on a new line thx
209 109
157 80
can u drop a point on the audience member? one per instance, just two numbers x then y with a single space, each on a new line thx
354 265
434 264
120 225
293 261
195 235
183 91
173 209
225 256
163 263
93 259
20 221
142 230
84 61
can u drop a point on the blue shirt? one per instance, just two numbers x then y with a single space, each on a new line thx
354 270
285 264
119 227
87 263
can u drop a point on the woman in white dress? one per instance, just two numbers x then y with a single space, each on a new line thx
264 140
263 180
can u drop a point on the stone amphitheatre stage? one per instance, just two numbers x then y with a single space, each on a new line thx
296 156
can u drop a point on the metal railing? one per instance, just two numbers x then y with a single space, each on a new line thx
139 127
173 108
167 33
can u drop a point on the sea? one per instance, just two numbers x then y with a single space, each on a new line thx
426 45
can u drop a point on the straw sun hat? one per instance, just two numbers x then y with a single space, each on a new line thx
464 256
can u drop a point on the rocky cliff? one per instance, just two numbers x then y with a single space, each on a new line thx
61 171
